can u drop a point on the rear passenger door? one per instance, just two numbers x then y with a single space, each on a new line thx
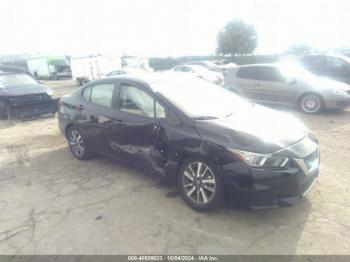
96 111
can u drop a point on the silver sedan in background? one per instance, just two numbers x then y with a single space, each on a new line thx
287 85
201 72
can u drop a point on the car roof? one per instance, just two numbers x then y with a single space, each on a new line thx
259 65
152 78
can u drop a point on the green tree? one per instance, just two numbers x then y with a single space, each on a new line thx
237 38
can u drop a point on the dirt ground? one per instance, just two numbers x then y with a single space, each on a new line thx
51 203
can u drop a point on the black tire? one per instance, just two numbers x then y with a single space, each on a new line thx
78 82
311 103
214 198
80 150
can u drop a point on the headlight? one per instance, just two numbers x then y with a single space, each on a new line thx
259 160
49 91
339 92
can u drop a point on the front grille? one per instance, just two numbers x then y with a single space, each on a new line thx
28 99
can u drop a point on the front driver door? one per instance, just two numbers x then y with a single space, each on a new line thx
134 132
274 87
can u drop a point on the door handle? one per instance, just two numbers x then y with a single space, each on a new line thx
119 122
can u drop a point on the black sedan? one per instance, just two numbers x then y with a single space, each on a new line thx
209 140
22 96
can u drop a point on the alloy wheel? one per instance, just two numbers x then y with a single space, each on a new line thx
311 103
199 183
76 143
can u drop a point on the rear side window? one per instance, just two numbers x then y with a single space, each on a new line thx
179 69
247 73
102 94
271 74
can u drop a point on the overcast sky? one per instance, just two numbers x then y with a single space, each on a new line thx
165 27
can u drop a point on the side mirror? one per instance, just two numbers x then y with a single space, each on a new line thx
291 81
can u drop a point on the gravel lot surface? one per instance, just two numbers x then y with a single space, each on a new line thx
51 203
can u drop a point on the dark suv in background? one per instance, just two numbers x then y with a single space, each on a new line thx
332 66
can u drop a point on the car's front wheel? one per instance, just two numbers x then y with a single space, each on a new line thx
311 103
200 185
77 144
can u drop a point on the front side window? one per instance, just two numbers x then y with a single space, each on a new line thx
179 69
102 94
135 101
188 69
247 73
336 62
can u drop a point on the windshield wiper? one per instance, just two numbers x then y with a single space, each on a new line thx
230 114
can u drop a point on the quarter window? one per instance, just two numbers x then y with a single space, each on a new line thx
87 93
102 94
135 101
160 111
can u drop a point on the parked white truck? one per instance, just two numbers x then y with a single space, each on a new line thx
88 68
49 67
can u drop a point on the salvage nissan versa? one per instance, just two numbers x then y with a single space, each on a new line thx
214 143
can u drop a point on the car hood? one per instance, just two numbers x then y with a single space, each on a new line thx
211 75
257 129
19 90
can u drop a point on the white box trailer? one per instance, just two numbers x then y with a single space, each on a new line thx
88 68
136 62
49 67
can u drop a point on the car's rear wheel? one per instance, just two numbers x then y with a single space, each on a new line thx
200 185
311 103
77 144
78 82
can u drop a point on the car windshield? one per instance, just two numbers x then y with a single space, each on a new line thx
17 79
59 62
200 69
200 99
346 59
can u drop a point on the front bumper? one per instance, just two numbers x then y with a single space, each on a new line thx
64 74
268 188
338 102
21 111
